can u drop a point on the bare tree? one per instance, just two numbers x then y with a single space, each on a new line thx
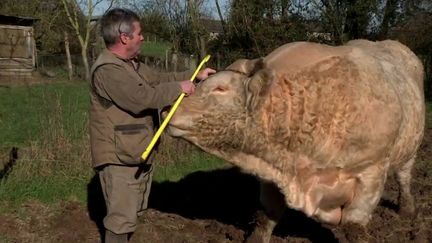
50 25
221 18
347 19
196 30
175 12
183 21
82 24
171 15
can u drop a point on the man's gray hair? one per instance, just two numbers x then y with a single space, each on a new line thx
115 22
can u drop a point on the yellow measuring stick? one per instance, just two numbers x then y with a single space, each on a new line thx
170 114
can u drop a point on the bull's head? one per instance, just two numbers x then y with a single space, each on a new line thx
215 115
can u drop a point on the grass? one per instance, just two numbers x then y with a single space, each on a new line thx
194 161
48 189
24 110
64 184
48 123
154 49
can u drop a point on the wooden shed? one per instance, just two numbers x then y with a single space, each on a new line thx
17 46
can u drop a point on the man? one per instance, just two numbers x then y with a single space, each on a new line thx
125 98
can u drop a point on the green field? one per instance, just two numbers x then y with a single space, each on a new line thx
154 49
48 123
26 111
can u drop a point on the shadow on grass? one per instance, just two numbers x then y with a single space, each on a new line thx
7 166
96 203
225 195
230 197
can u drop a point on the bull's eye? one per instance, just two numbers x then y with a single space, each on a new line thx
220 89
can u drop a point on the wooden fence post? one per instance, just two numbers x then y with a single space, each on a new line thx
174 61
192 63
166 60
218 64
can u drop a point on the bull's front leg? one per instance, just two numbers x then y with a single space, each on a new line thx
357 214
274 207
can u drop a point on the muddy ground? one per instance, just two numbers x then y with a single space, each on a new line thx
217 206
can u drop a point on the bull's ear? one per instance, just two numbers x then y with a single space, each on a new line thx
256 88
246 66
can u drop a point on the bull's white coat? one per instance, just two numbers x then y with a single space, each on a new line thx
324 124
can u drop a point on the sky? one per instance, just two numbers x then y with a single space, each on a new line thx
210 4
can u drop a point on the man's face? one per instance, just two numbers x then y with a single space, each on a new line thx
133 42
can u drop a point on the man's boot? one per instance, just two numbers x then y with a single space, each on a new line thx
111 237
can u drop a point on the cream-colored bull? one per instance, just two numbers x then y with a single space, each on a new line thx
324 124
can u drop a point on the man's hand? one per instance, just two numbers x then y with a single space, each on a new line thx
203 74
187 87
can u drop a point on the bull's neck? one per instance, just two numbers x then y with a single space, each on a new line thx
226 132
244 134
255 141
266 142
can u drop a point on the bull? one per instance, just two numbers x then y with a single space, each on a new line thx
321 126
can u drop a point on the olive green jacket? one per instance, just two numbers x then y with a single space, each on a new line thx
124 107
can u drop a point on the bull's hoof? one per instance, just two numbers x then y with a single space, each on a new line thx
259 236
352 233
263 229
407 209
256 237
407 212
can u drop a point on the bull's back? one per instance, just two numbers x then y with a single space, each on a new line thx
404 71
382 100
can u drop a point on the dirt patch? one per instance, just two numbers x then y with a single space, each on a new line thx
217 206
72 224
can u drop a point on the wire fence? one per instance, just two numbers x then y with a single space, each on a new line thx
54 64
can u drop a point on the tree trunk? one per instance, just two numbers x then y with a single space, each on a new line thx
68 56
284 9
389 16
193 17
203 48
351 29
85 62
220 16
218 62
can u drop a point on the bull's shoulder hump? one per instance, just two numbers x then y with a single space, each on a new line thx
297 55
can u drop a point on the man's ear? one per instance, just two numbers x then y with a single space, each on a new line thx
123 38
257 87
246 66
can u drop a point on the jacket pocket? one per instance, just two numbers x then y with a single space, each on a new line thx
130 142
